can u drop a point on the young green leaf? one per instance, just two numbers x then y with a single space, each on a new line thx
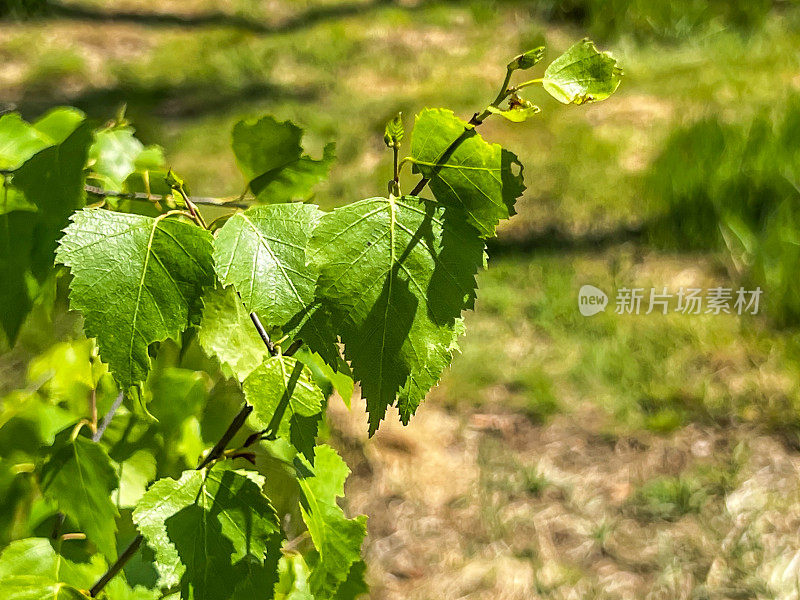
33 564
337 539
393 134
466 172
327 377
582 74
116 154
527 60
517 114
136 280
36 556
20 140
261 252
269 154
286 402
135 474
209 530
398 273
227 333
79 477
293 573
58 124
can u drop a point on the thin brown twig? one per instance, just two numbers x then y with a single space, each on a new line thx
219 448
101 429
117 566
198 200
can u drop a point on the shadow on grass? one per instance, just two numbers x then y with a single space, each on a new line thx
556 239
55 9
173 102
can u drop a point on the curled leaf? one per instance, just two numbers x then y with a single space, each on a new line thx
517 114
582 75
527 60
393 134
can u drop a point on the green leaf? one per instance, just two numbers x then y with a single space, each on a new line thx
134 474
58 124
52 180
210 530
20 140
293 574
393 134
16 244
328 378
398 273
32 587
517 114
176 397
355 585
582 74
269 154
527 60
71 370
286 402
466 172
262 253
337 538
79 477
116 154
37 556
136 280
227 333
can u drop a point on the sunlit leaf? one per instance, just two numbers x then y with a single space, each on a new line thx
481 179
582 74
261 252
227 332
517 114
136 280
116 154
286 402
336 538
399 272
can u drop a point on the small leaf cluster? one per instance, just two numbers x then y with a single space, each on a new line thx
260 307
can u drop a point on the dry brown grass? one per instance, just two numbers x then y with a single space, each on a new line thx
489 506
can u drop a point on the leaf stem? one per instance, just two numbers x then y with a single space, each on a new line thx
525 84
263 333
395 187
476 120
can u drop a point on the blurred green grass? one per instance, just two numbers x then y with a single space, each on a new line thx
342 70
